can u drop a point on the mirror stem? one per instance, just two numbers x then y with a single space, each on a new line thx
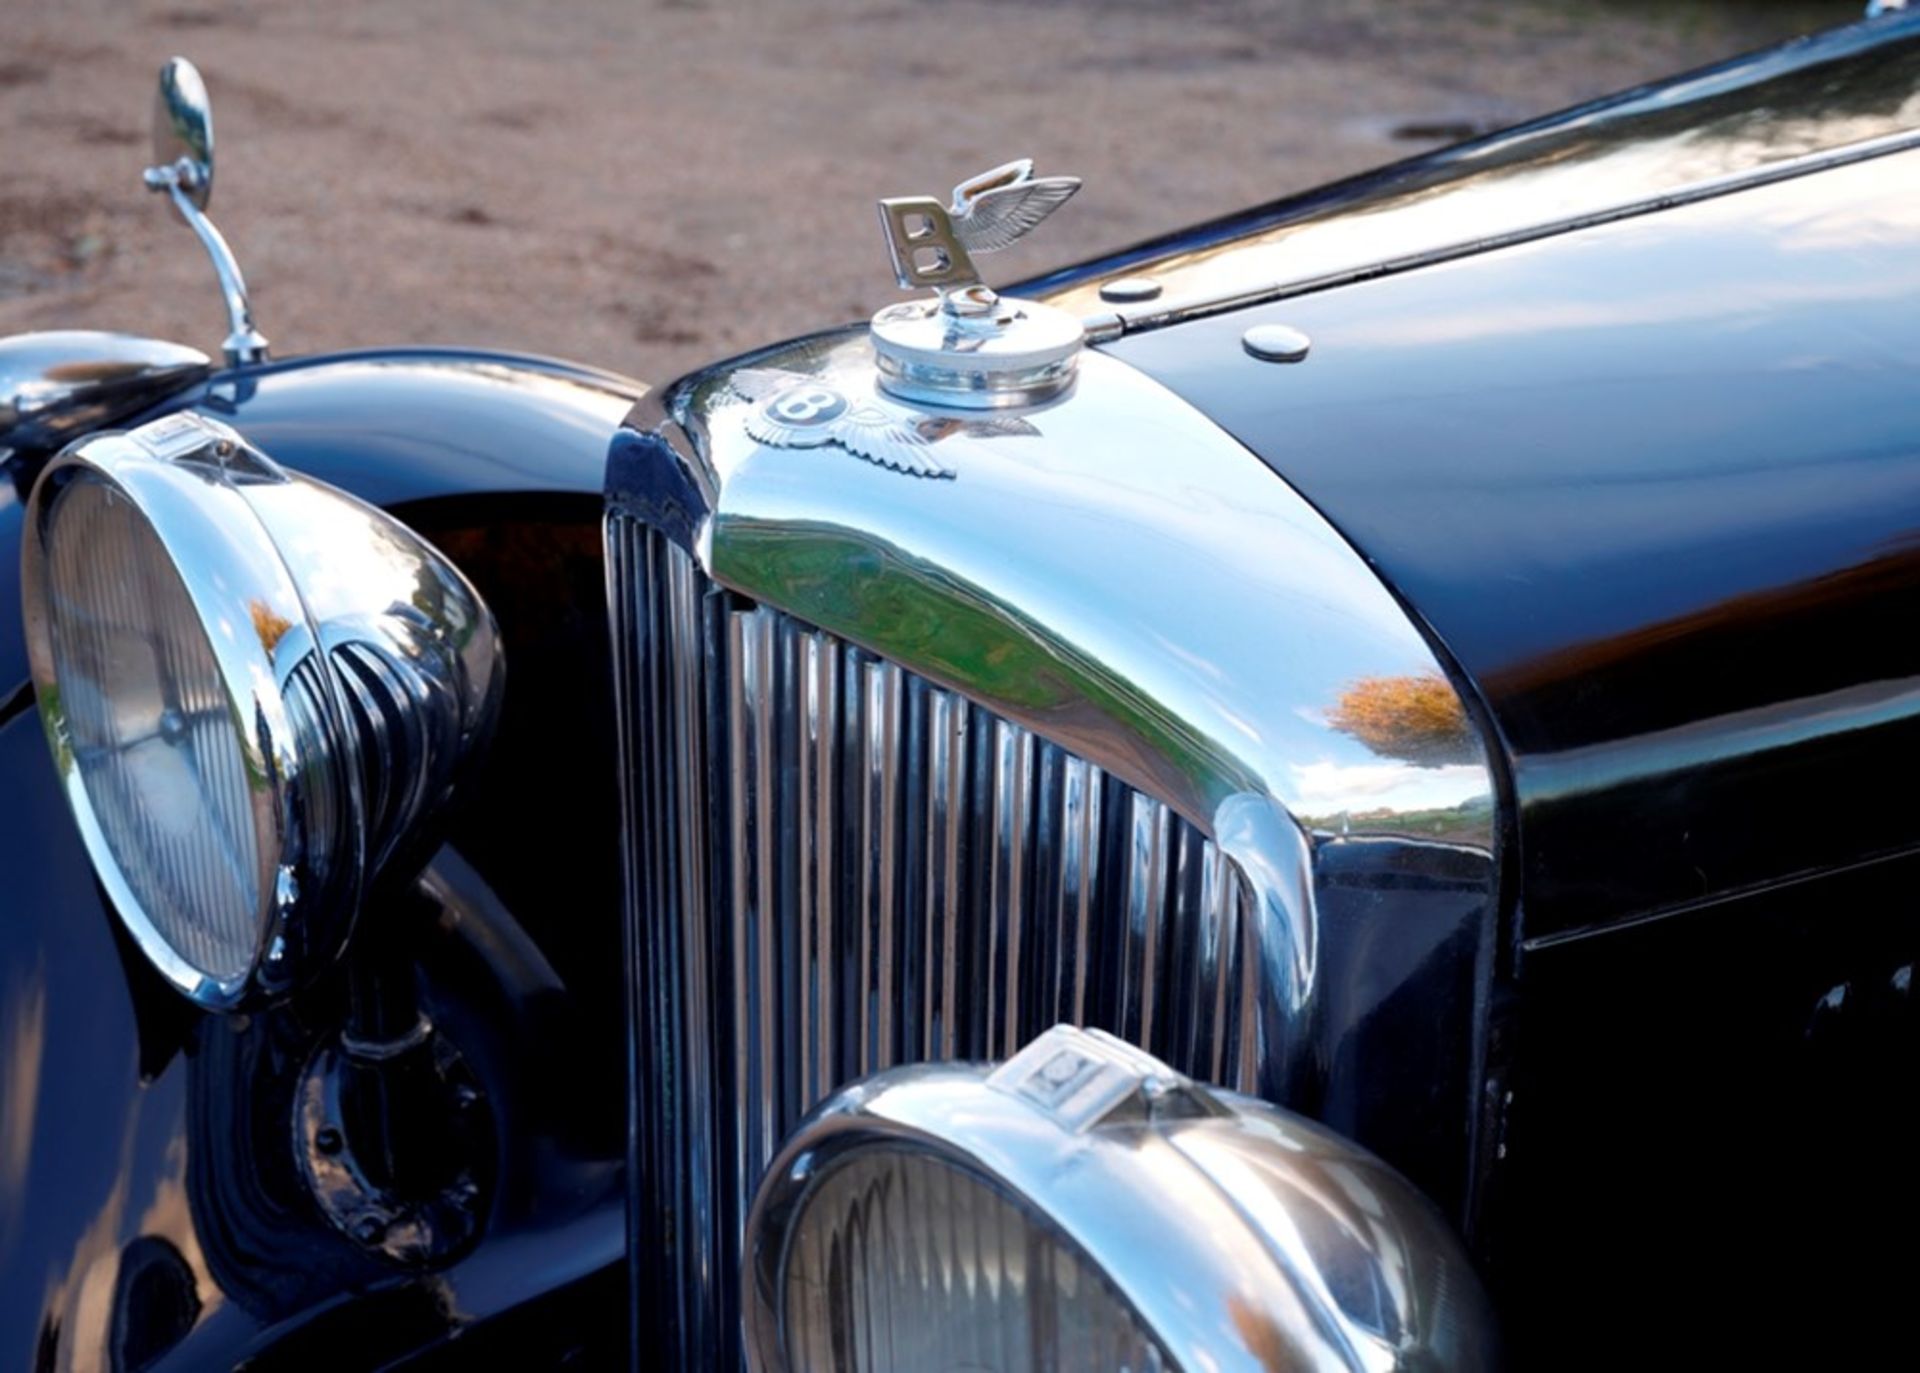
244 344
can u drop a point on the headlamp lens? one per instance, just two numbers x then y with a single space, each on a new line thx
155 743
901 1259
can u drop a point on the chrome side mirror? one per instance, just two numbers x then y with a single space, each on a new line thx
183 169
183 130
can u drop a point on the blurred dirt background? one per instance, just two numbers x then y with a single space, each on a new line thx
651 185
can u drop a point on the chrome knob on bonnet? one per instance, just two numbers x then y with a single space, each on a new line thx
257 690
969 347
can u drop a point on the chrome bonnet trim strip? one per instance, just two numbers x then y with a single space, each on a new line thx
1111 571
1161 314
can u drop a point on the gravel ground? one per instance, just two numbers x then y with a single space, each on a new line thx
648 187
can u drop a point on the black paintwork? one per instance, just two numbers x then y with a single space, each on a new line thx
150 1120
1711 1138
1814 93
1656 487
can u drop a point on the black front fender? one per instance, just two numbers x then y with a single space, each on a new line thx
128 1230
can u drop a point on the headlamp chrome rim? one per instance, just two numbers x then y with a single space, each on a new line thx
191 497
1197 1208
284 576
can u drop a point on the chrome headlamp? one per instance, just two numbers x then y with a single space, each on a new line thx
1084 1206
255 688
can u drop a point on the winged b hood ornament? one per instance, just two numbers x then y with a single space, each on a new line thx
969 347
933 245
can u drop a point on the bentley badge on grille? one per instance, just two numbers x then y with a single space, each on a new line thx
794 410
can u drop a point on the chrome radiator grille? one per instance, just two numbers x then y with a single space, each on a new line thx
837 865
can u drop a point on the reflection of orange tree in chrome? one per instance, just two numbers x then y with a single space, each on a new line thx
1418 719
267 625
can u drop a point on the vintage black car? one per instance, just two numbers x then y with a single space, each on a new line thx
1335 790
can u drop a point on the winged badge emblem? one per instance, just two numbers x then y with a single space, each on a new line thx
999 208
793 410
933 244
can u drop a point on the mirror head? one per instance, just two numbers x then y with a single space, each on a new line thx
183 128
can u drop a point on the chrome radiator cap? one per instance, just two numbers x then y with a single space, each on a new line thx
970 348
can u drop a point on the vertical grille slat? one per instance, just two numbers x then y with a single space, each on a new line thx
836 865
946 851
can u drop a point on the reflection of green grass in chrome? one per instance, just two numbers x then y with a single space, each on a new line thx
1468 823
50 711
873 593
